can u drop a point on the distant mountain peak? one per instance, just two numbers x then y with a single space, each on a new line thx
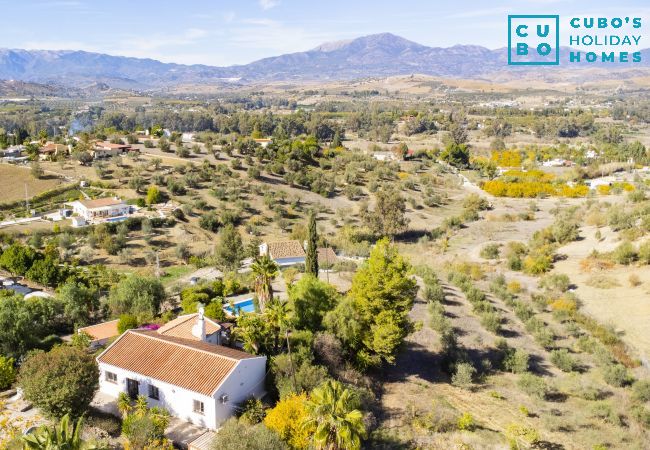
331 46
375 55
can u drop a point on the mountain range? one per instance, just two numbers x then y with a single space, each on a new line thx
375 55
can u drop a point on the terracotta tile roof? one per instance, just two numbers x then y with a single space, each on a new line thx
101 202
192 365
285 249
110 145
326 255
51 148
182 327
104 330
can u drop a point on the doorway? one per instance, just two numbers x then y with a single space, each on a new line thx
132 388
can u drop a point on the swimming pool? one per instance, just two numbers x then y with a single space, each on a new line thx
244 305
116 219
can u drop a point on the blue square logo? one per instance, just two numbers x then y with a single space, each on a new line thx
533 40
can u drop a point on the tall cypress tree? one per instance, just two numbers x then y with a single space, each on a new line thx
311 261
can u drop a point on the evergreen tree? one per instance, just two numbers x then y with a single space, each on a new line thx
336 141
311 261
372 321
230 249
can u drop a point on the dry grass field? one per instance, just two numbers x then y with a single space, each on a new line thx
615 300
13 180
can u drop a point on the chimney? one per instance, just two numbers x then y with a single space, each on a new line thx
198 330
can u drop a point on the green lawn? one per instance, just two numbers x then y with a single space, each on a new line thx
173 273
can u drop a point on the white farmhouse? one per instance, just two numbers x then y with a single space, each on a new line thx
284 253
384 156
100 208
108 149
194 380
263 142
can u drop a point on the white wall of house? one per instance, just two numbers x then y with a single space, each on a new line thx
289 261
106 152
105 211
246 380
178 401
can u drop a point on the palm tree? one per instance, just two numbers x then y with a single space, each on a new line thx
124 404
332 411
64 436
277 316
265 270
141 405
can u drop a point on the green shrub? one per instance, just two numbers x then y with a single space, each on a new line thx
644 252
252 411
555 282
515 263
127 322
604 411
475 295
62 381
641 391
516 361
544 337
625 253
563 360
516 433
533 385
491 251
642 415
491 321
464 375
616 375
7 372
466 422
142 430
434 292
475 201
523 311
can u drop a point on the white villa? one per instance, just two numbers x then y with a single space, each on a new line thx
287 253
284 253
194 380
108 149
100 208
263 142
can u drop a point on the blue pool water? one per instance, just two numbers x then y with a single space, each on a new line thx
116 219
244 305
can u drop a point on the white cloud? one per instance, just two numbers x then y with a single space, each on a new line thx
268 4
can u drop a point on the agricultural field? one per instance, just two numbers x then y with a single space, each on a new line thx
17 183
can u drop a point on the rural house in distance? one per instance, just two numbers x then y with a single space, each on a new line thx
101 208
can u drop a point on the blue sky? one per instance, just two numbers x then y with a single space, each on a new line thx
225 32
